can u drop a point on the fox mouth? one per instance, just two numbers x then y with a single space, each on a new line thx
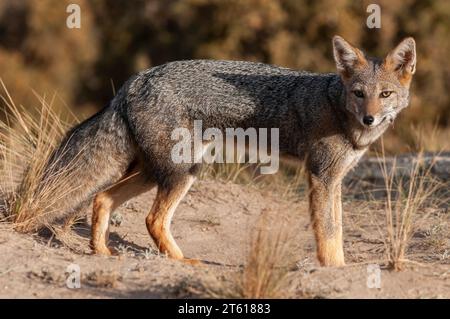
385 118
388 117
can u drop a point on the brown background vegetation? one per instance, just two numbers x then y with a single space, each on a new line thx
119 38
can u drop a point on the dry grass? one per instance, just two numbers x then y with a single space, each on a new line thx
241 173
28 139
414 138
404 206
289 182
266 271
431 138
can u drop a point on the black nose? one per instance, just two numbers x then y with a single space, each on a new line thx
368 119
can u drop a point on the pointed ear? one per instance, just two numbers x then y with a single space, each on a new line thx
347 57
403 60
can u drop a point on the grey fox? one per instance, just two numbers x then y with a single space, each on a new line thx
327 120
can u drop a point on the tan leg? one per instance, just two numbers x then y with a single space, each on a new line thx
338 222
106 202
160 216
327 223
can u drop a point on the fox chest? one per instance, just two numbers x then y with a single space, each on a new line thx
350 160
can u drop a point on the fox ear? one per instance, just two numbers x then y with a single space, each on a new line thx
403 60
347 57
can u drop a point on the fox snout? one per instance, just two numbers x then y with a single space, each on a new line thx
374 113
377 111
371 112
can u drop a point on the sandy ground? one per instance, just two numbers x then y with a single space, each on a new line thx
213 223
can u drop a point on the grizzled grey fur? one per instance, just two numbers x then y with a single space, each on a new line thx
322 118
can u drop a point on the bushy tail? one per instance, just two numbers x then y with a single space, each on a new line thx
92 156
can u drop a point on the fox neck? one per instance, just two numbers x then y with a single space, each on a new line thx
362 137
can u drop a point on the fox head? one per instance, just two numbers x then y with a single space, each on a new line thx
376 89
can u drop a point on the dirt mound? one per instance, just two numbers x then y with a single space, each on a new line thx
213 223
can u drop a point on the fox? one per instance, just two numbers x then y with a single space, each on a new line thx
326 120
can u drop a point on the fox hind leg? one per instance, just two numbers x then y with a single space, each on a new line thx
131 185
159 219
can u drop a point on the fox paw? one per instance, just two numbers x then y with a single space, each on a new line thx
104 251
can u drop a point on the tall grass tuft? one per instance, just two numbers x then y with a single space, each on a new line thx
266 271
30 189
289 182
406 198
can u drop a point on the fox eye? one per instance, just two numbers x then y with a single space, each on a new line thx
385 94
358 93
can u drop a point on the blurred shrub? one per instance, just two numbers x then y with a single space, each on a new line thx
118 38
